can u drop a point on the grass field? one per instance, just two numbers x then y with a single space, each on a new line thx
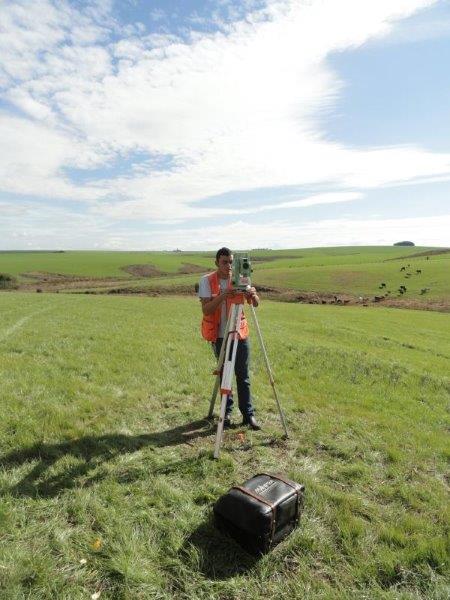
111 264
363 279
94 264
107 479
357 271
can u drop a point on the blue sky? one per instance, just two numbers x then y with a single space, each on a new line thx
194 124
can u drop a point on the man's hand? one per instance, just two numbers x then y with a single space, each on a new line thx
227 293
210 305
252 296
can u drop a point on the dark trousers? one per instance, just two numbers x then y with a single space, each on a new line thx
241 370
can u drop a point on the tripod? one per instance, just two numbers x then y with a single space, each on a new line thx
225 366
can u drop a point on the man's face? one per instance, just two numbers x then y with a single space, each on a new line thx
224 266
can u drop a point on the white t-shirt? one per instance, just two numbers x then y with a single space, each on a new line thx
204 291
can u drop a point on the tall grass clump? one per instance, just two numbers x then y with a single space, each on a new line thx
7 282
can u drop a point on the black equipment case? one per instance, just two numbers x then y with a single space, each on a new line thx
261 512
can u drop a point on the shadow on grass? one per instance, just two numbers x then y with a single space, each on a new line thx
89 453
214 554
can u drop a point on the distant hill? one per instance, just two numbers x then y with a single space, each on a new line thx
393 275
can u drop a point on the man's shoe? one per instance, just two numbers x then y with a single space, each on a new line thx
227 422
251 422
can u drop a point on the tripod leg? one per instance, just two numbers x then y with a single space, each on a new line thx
228 371
269 371
219 432
219 368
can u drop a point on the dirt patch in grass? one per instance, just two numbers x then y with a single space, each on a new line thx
55 282
143 270
174 290
60 283
8 282
303 297
306 297
188 268
52 277
439 305
341 299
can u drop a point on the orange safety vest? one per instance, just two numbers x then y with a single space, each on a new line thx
210 323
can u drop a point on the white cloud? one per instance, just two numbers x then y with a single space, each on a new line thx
327 198
157 14
314 200
279 233
237 110
71 230
32 155
428 27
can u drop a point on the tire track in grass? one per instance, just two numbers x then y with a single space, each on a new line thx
20 323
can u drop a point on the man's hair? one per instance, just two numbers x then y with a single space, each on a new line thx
223 252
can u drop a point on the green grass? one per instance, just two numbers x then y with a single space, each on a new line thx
357 270
107 478
95 263
110 264
360 274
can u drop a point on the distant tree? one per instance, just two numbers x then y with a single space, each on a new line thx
404 244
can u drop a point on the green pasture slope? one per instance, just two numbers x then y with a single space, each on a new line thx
362 278
94 263
106 473
360 270
353 270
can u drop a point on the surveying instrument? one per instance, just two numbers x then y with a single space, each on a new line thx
241 282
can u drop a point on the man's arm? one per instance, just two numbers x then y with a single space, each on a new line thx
210 305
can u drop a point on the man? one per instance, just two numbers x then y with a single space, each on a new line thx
215 292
